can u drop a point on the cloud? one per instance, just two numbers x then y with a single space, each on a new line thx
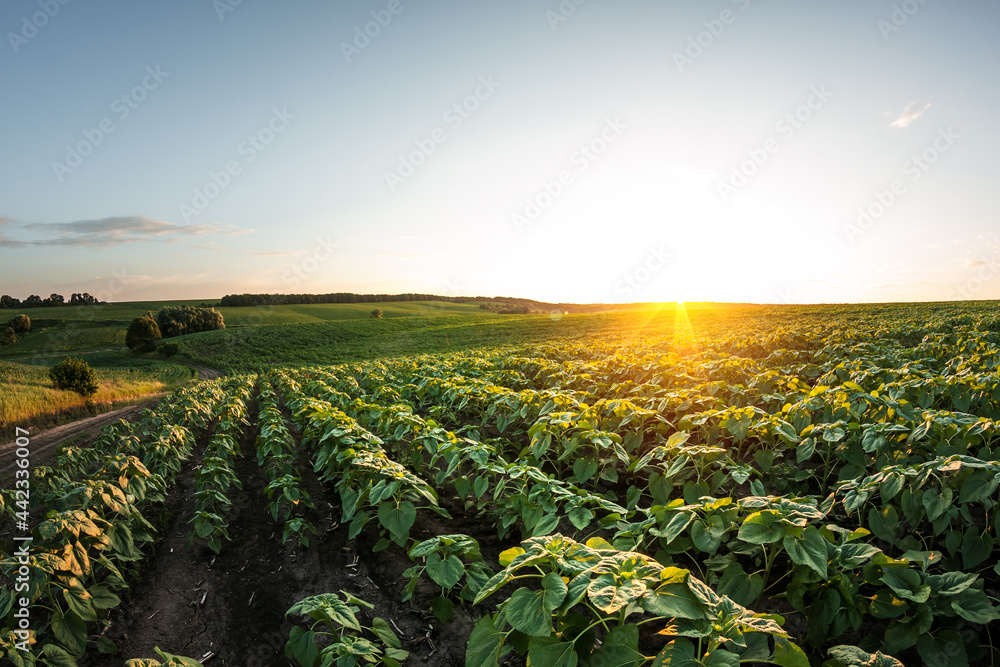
910 114
106 232
210 245
275 253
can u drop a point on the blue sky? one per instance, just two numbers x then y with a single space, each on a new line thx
623 150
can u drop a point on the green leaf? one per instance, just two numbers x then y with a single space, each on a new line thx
58 657
976 548
707 536
70 630
301 645
106 646
892 485
329 608
495 583
397 520
550 652
80 601
886 605
788 653
485 644
737 585
936 503
809 550
973 605
545 525
581 517
554 591
762 527
443 608
675 600
103 598
721 658
678 653
950 583
381 628
944 647
674 526
805 450
445 573
620 648
907 584
525 611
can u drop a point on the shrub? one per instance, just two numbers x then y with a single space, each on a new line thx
178 321
169 349
143 332
10 337
20 324
74 374
377 314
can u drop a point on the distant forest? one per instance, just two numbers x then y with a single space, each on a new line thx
231 300
499 304
35 301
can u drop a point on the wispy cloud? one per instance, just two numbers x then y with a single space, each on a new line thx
110 232
275 253
910 114
209 245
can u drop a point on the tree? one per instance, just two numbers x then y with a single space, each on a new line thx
168 349
20 324
377 314
143 332
7 301
83 300
33 301
178 321
74 374
55 300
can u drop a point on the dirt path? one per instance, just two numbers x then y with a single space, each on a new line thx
205 373
44 443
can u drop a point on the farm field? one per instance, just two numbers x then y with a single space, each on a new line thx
793 486
56 330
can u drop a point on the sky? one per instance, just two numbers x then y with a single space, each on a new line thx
561 150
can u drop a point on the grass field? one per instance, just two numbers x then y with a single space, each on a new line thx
27 395
59 330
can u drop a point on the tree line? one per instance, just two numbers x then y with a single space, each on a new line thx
35 301
232 300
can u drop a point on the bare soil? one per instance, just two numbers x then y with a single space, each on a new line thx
192 602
